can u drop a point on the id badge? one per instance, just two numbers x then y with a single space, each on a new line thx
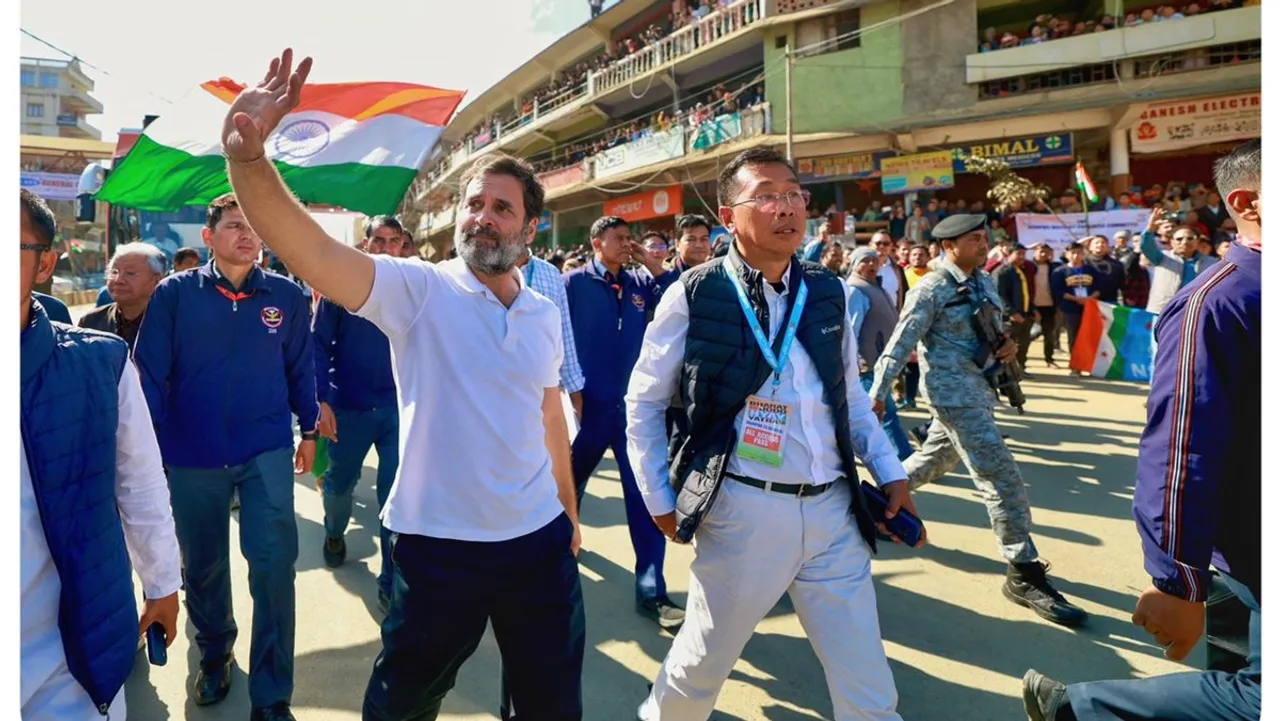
764 431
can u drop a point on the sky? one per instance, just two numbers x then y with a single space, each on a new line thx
152 52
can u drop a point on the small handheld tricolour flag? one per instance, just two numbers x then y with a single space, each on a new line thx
1085 183
353 145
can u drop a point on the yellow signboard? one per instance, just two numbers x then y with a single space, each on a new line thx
925 171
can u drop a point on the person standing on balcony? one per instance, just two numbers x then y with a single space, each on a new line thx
610 308
596 6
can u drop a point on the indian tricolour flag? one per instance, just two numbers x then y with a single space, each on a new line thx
1085 183
354 145
1114 342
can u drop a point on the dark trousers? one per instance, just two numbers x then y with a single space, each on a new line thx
1048 330
601 431
1021 334
912 383
358 431
1071 321
269 542
1192 696
445 593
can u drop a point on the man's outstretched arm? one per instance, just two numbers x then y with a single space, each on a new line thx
340 272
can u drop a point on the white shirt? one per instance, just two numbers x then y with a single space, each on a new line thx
810 455
889 281
470 378
49 693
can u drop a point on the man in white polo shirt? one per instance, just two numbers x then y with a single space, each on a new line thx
483 509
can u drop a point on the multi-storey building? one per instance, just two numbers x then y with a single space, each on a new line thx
624 127
56 97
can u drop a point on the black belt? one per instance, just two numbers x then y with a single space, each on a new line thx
799 490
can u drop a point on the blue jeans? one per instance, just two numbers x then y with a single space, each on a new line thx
1191 696
358 431
601 431
446 592
269 542
891 424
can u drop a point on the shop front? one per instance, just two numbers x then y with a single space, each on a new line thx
1178 141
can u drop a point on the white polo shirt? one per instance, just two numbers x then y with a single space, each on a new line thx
470 377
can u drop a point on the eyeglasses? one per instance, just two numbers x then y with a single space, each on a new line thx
35 247
769 201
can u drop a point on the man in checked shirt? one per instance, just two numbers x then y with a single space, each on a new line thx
546 280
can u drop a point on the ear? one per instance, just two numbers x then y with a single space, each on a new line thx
206 235
1241 202
531 231
48 261
726 218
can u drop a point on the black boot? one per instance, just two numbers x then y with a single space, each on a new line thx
1026 585
1045 699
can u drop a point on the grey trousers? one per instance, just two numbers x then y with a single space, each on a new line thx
971 435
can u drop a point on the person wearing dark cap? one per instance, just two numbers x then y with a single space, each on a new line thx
938 317
1016 287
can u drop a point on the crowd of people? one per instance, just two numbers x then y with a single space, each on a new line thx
1052 27
684 13
491 385
698 109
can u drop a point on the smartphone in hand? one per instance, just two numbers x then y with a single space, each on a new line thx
157 651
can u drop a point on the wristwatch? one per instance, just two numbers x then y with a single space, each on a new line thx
309 435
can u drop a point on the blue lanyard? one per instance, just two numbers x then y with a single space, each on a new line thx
778 362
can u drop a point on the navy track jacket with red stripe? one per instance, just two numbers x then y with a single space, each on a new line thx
1197 499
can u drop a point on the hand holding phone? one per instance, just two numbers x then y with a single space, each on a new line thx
157 652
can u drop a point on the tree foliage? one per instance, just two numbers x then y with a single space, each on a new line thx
1008 189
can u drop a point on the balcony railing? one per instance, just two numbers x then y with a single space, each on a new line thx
682 43
1205 31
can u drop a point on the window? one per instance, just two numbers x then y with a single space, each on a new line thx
35 110
28 78
830 34
48 80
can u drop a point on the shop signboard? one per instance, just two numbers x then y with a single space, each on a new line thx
1025 152
1189 123
51 186
650 204
654 148
923 171
834 168
544 222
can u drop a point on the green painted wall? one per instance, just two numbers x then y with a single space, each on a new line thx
840 91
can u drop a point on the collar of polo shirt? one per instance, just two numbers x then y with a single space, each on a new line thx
466 279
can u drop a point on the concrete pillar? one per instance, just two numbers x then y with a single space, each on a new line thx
555 230
1121 179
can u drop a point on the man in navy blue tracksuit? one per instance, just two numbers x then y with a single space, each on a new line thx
358 408
610 308
1198 494
225 355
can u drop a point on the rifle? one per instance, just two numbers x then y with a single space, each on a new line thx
1004 378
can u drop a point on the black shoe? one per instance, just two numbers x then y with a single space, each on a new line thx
275 712
213 681
1026 585
335 552
1027 376
384 602
921 433
663 610
1043 698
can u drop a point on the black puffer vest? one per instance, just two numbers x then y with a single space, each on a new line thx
723 366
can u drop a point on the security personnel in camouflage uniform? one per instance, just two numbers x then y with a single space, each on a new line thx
938 315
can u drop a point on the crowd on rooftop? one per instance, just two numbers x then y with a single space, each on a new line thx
1052 27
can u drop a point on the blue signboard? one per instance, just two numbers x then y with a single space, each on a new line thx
1025 152
544 223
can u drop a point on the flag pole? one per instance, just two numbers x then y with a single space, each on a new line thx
1084 200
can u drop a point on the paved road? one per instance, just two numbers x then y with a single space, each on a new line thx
958 649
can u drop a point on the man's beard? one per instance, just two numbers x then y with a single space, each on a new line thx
494 260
